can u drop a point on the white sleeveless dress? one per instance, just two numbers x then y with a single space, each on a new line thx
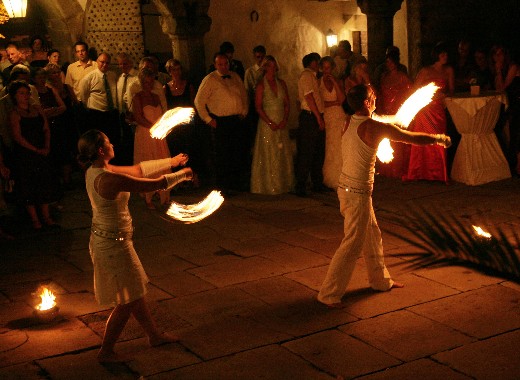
334 118
119 277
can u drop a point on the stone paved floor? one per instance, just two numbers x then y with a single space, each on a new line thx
239 288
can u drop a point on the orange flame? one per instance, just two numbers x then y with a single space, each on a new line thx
196 212
171 119
48 300
480 232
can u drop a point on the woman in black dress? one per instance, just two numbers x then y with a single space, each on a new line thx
34 181
193 138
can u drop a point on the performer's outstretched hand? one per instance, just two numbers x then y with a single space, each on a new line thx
443 140
180 160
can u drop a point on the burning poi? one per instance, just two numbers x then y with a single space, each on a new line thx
198 211
194 212
415 102
481 233
171 119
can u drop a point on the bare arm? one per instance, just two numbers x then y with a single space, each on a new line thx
136 170
111 184
372 132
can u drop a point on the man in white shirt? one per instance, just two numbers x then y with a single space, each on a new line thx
254 72
221 102
97 91
311 130
128 74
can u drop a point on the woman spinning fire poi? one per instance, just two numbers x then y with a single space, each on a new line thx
119 278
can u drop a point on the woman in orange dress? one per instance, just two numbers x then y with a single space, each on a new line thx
147 110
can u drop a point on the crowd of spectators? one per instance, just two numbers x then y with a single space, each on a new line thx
239 139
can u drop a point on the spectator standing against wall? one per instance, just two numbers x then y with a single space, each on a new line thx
221 102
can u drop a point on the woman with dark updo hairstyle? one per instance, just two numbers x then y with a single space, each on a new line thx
119 277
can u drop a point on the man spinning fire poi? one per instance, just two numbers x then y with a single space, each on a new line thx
362 234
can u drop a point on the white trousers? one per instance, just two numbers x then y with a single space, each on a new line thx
362 236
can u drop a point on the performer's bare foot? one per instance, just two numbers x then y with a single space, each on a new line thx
164 338
111 357
397 285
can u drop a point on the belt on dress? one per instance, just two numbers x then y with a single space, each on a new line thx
118 236
355 190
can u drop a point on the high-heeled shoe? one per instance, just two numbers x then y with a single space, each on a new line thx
37 226
49 222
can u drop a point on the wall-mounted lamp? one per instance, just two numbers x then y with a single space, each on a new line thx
332 38
15 8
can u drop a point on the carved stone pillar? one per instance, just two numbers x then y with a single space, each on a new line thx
186 22
380 27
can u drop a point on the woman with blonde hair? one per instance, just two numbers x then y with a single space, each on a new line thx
272 169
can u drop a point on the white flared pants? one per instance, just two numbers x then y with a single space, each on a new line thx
362 236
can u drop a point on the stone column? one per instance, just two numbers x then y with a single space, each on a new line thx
186 23
380 27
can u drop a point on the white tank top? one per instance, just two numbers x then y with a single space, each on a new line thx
358 158
108 215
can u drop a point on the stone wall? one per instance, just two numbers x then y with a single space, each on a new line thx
114 27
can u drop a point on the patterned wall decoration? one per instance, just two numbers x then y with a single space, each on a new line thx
114 26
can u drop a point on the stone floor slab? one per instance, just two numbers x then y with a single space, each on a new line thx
51 339
180 284
424 369
213 305
253 247
270 363
366 302
238 271
296 258
493 358
76 304
147 361
26 371
475 312
339 354
405 335
84 365
459 278
229 335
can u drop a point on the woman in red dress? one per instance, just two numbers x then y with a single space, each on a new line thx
429 162
395 89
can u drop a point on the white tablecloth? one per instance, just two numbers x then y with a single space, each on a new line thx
479 158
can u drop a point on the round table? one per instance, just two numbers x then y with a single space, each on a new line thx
478 159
